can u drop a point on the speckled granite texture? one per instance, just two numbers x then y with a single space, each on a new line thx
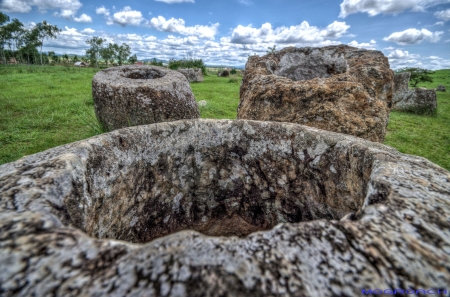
274 209
337 88
134 95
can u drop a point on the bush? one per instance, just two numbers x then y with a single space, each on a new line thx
175 64
154 62
418 75
233 81
233 71
224 73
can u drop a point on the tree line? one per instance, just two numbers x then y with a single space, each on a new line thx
109 53
25 45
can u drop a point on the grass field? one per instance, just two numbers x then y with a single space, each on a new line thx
43 107
425 135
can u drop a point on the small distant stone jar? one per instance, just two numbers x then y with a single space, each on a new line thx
137 95
441 88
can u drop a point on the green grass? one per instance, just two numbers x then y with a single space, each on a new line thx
43 107
425 135
221 95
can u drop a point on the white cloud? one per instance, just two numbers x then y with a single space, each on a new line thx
88 31
67 8
443 15
179 42
335 29
65 13
70 41
84 18
399 59
127 16
300 34
414 36
399 54
217 52
21 6
29 25
175 1
178 26
366 45
246 2
437 63
439 24
374 7
102 10
70 31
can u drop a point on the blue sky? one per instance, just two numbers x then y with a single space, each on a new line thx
411 33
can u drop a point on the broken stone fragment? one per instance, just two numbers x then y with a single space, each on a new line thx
419 100
336 88
401 86
222 208
192 74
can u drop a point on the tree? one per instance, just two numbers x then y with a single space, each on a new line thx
3 18
10 34
271 50
156 63
29 54
93 52
29 42
122 52
52 57
133 59
198 63
417 75
3 34
108 53
46 30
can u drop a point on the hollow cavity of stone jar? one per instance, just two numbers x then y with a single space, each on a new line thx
137 95
220 178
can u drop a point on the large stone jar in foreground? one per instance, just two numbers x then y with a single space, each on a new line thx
137 95
336 88
274 209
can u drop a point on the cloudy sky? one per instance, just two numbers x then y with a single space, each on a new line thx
412 33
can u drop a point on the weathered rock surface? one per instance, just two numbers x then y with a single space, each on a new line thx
418 100
336 88
192 74
137 95
441 88
348 214
401 86
406 99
